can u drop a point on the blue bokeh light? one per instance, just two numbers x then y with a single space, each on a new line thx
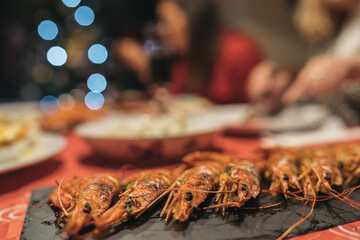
57 56
96 82
97 53
71 3
49 104
94 100
84 16
47 30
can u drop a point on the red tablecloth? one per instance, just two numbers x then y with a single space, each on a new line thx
76 160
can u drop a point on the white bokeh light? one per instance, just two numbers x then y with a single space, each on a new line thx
96 82
97 54
49 104
84 16
94 100
71 3
47 30
57 56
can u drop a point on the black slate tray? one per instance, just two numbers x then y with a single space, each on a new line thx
241 224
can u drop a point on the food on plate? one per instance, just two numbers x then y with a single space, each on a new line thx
149 126
84 202
309 175
17 139
178 105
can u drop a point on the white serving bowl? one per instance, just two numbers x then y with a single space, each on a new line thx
150 147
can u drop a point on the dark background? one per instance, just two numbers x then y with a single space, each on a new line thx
23 51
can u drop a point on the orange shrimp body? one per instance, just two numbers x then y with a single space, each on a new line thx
141 191
349 158
282 170
198 157
93 201
239 182
320 172
68 192
190 190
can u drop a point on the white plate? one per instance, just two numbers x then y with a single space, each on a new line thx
223 115
47 145
292 118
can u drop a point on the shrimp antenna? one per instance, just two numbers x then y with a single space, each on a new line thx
302 219
344 198
59 198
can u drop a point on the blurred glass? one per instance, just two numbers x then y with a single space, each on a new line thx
160 59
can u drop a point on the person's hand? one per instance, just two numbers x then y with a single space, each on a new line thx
134 57
321 76
266 84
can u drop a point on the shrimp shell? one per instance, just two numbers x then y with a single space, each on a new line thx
282 170
200 157
320 172
190 190
239 182
93 201
70 191
348 155
141 191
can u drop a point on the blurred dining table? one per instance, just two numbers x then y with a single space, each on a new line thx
77 160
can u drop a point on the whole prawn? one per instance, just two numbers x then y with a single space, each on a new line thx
348 155
282 170
239 182
93 201
190 190
320 171
140 192
64 196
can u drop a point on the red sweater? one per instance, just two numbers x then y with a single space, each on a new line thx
237 55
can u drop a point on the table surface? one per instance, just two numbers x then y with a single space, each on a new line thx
76 159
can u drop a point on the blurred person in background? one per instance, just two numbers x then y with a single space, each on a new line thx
334 24
208 60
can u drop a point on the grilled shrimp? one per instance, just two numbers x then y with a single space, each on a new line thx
64 196
140 192
348 155
282 170
239 182
93 201
190 190
320 171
